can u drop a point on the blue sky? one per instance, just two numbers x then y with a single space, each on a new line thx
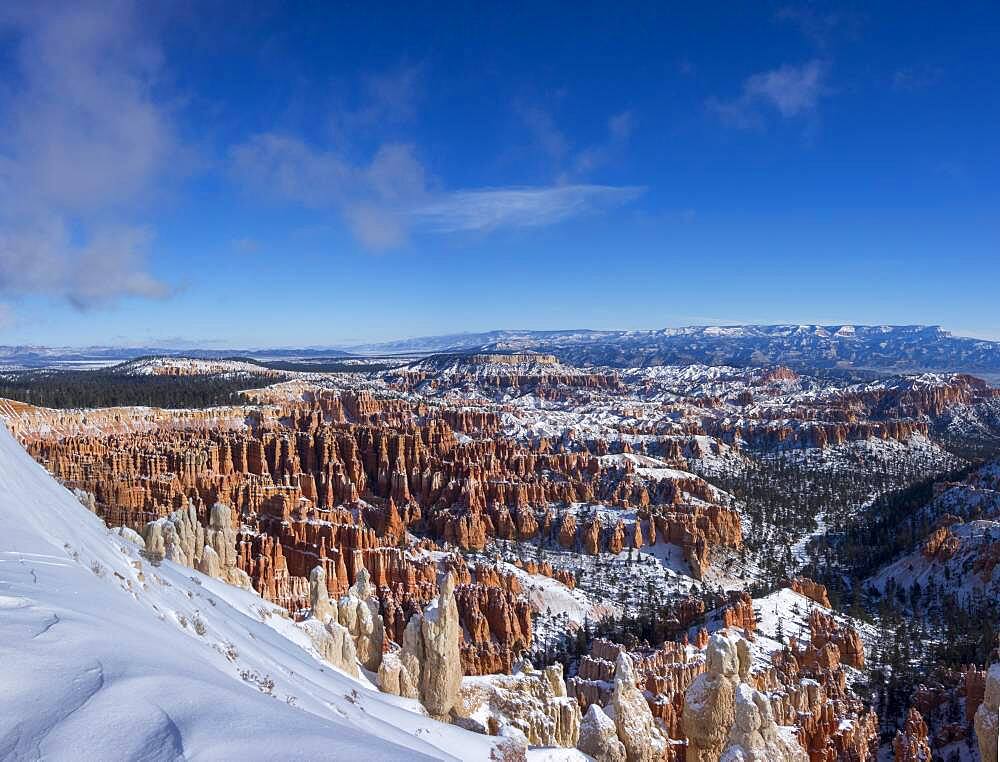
302 174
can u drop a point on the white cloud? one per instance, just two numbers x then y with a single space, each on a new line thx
789 90
385 198
575 163
81 137
593 157
368 196
490 209
285 166
42 259
547 135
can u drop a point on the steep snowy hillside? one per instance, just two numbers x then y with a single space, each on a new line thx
105 656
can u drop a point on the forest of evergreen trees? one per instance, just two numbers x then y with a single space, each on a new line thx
105 388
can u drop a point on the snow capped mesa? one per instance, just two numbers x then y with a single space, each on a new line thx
242 368
190 366
104 655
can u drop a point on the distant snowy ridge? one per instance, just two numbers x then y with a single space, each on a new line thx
901 348
897 348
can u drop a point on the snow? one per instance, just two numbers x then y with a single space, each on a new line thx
155 366
551 754
789 611
954 574
104 656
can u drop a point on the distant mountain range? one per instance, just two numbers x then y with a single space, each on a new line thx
885 348
27 356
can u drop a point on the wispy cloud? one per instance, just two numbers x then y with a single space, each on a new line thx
546 134
490 209
384 199
573 163
388 98
822 27
80 138
368 196
917 77
594 157
790 91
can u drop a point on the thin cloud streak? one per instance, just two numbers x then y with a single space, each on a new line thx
491 209
383 199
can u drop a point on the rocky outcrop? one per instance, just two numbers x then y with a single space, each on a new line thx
738 612
331 639
181 538
440 663
814 591
910 743
808 690
973 688
358 612
988 717
725 718
321 606
535 703
941 545
599 737
633 719
824 629
428 665
131 535
664 674
496 620
334 643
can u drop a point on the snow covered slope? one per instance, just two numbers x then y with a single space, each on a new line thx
104 656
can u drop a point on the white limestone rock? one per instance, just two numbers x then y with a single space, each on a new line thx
599 737
987 719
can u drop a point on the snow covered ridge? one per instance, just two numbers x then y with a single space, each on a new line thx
483 366
105 656
883 347
187 366
960 555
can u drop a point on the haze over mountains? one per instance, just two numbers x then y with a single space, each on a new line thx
889 349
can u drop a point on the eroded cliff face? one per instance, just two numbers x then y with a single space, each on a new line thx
805 687
811 590
345 480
